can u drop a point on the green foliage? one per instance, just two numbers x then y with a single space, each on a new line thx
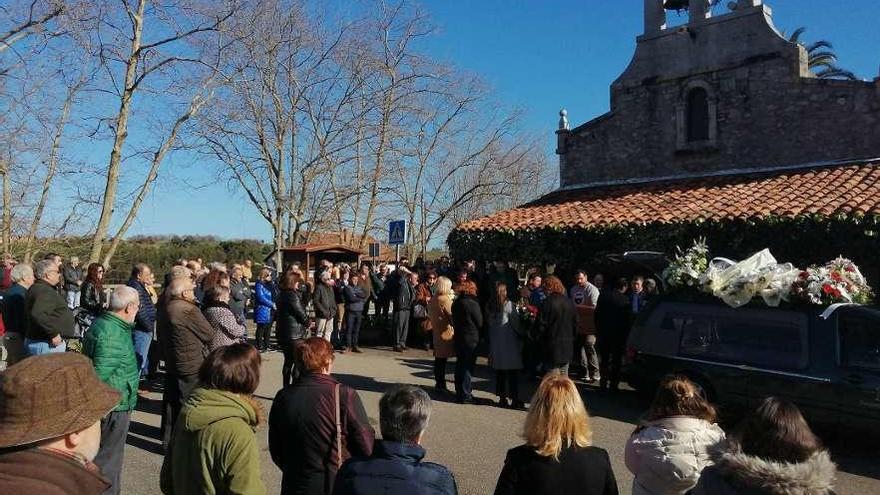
821 58
159 252
802 241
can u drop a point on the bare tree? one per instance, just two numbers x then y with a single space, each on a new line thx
53 158
399 74
173 28
281 121
21 21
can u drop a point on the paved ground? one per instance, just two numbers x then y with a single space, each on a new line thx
470 440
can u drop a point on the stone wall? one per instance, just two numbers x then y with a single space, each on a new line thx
766 109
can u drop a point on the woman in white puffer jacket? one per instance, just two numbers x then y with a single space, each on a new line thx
669 450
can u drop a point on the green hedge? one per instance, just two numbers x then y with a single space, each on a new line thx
802 241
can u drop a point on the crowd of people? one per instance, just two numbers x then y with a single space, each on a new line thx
67 436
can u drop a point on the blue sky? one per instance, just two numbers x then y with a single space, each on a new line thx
539 56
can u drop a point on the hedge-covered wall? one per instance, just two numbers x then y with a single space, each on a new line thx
802 241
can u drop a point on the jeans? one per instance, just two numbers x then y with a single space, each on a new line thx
73 298
440 372
264 331
142 341
37 347
114 430
465 362
324 328
507 384
401 327
353 330
585 355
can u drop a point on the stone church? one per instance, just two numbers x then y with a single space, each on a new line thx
717 128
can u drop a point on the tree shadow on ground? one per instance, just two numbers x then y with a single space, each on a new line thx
145 437
623 405
144 443
149 405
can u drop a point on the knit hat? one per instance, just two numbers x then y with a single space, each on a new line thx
51 395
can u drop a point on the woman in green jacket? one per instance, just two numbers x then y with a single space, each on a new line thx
213 449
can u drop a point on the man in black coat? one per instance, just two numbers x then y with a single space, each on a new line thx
613 320
324 303
556 326
403 303
396 467
47 315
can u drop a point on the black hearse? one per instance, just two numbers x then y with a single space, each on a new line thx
826 361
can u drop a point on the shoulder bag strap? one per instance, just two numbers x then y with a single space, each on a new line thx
338 428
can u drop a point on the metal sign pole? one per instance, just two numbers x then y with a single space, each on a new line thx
397 253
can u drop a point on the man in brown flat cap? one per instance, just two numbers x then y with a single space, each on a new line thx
50 426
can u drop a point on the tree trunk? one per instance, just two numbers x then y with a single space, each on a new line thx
7 207
51 168
378 166
120 134
194 106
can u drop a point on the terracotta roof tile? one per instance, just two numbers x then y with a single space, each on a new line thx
853 189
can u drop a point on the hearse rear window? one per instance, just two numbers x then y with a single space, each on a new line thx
763 344
860 343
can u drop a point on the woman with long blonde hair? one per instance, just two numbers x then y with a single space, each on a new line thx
557 457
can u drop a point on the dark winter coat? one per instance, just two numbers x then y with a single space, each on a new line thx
292 316
395 468
467 320
185 334
264 303
302 433
579 471
14 312
71 276
378 285
736 473
324 301
92 299
354 298
556 328
613 318
239 294
406 295
47 313
145 320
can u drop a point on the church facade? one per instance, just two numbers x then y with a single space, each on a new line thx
719 129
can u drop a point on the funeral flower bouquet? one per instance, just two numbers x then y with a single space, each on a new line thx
760 275
688 267
838 281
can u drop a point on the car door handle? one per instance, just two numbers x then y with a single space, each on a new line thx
855 379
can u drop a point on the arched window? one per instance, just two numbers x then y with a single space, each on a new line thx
697 115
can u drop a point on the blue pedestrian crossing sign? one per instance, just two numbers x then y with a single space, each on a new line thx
397 232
